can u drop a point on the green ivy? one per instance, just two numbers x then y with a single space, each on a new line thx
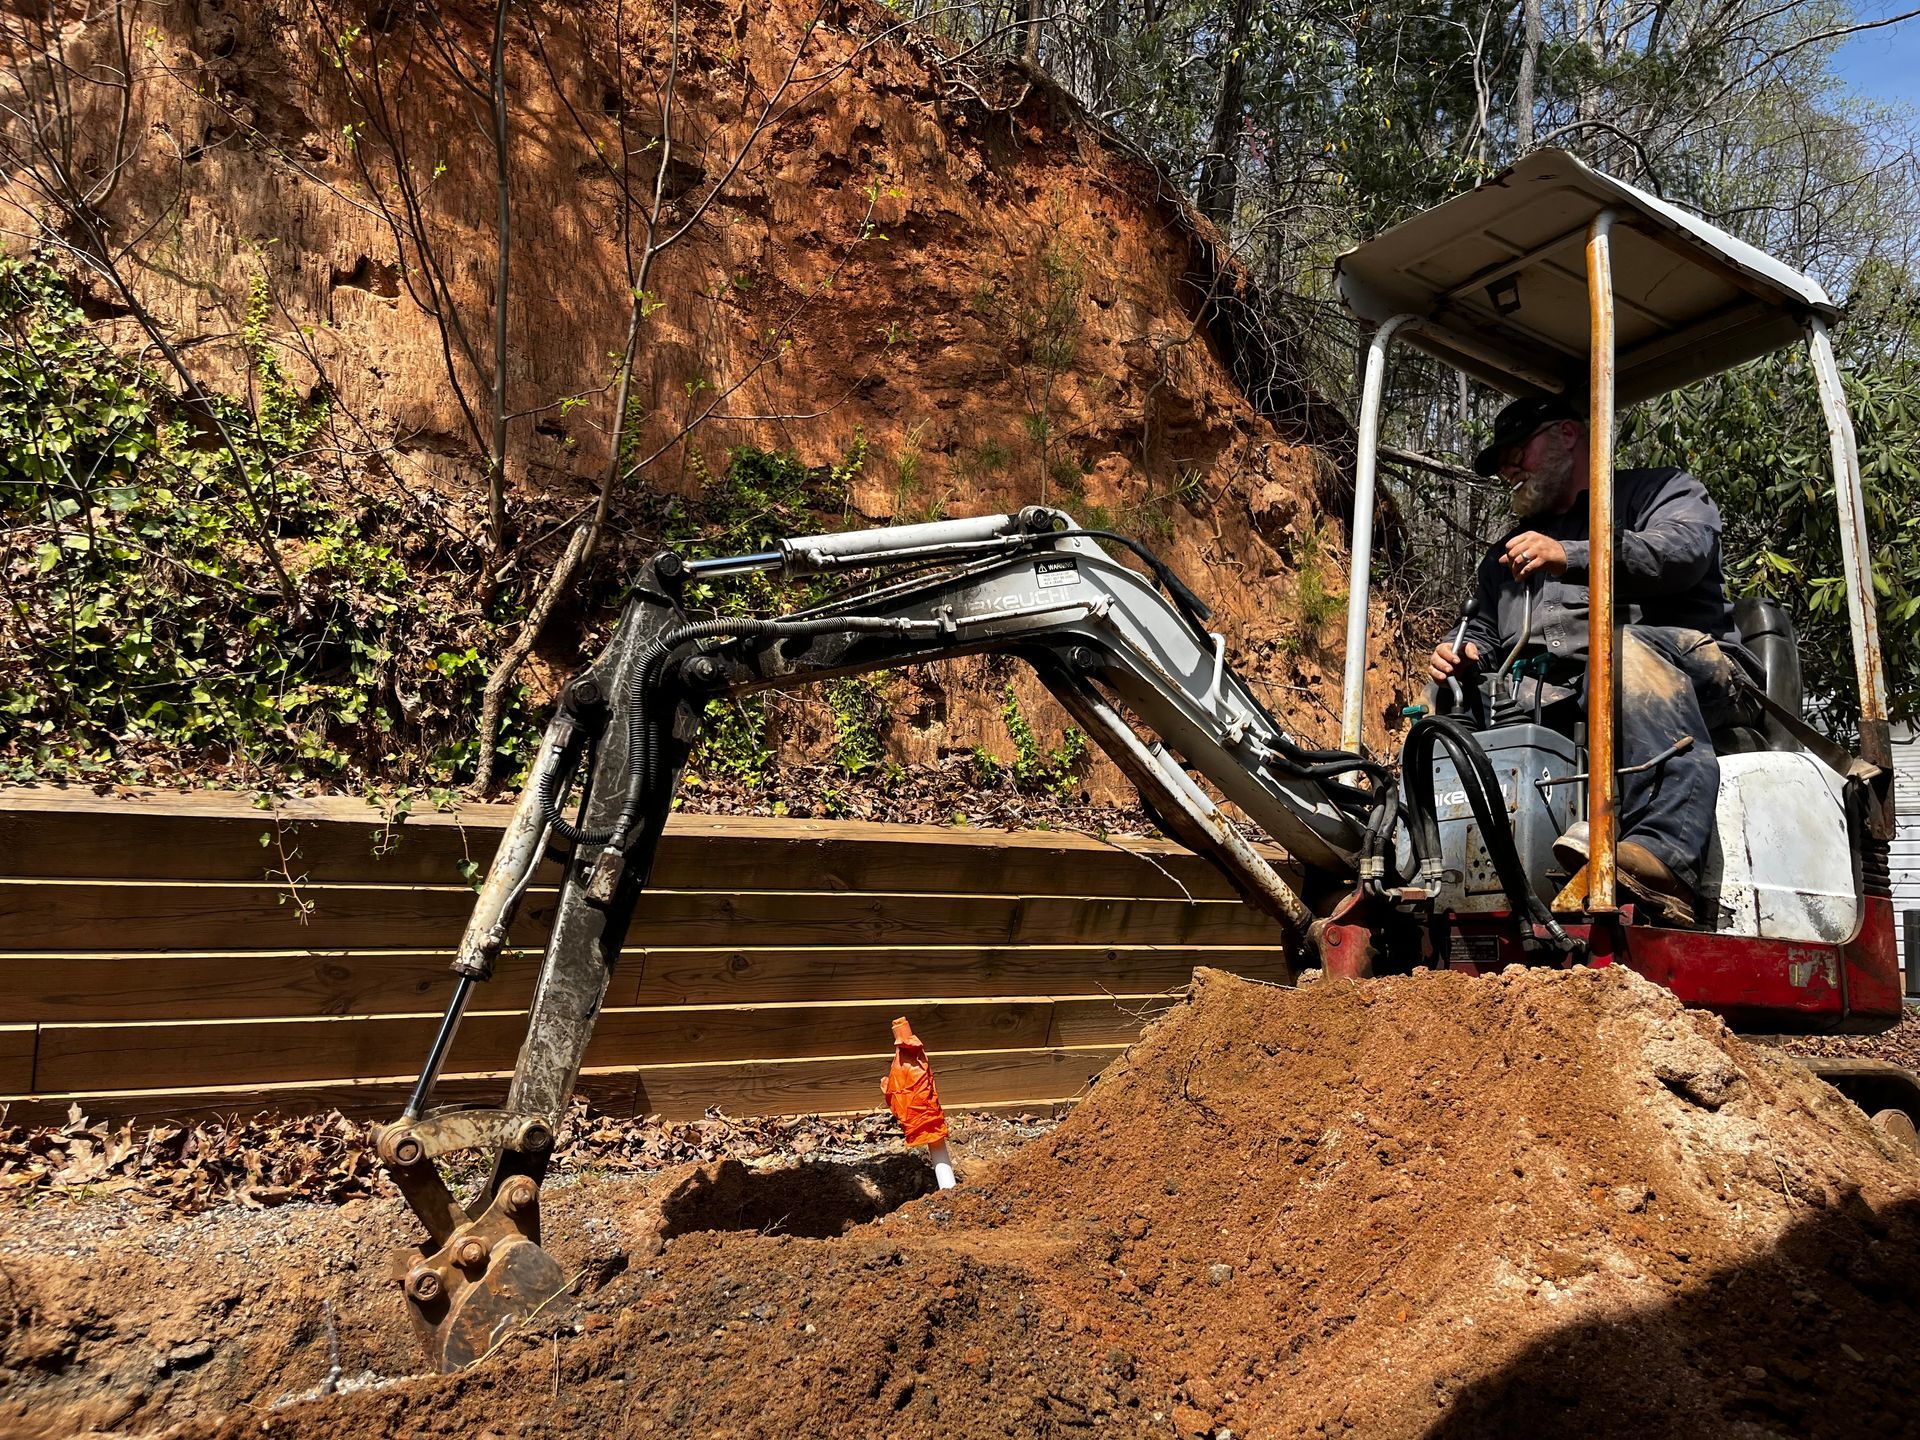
859 707
145 549
1053 772
761 497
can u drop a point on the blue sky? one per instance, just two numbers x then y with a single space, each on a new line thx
1884 63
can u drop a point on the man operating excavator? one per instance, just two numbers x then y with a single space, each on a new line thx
1681 658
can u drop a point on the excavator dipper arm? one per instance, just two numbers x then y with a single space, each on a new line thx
1099 634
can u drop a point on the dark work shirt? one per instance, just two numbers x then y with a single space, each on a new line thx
1668 573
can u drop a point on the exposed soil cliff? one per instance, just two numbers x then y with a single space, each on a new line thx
944 282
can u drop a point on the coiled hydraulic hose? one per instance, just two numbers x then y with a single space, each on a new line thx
550 785
1482 787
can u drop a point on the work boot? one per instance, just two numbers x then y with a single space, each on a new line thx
1650 880
1640 872
1571 848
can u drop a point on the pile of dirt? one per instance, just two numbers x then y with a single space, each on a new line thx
1545 1202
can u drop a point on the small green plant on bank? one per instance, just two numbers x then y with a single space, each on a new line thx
760 497
911 505
734 741
1315 600
859 707
1035 768
1038 313
989 457
1154 514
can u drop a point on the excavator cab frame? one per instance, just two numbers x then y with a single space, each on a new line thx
1554 279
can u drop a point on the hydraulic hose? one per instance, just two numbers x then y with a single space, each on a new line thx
1482 788
642 726
550 786
1189 604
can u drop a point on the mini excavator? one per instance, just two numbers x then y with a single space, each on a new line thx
1444 859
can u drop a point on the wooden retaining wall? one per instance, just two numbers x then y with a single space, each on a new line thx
194 954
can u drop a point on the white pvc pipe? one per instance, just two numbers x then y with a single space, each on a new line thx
942 1159
1849 495
1353 689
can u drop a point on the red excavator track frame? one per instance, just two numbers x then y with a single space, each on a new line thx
1756 983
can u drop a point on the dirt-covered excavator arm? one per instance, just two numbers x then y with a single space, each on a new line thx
1125 653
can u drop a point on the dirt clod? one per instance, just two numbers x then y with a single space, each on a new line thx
1542 1203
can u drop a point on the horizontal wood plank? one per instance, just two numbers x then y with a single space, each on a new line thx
264 1052
832 1085
211 835
810 1087
124 985
689 977
88 915
157 958
16 1057
79 988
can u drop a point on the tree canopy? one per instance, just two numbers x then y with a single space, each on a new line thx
1303 126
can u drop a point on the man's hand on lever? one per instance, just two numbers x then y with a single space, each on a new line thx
1531 552
1444 661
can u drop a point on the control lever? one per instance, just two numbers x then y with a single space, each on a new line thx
1467 612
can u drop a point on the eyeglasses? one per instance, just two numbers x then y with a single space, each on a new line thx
1514 451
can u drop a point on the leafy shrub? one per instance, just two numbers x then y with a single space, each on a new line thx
188 583
1035 767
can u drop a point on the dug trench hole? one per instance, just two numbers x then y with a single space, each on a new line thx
814 1199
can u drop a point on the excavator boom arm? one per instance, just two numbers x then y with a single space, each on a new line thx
1099 635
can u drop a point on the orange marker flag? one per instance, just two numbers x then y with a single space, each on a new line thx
915 1101
910 1091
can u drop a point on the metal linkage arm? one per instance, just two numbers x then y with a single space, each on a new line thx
1099 635
481 1270
1090 626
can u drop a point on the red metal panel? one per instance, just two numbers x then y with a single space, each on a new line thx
1752 979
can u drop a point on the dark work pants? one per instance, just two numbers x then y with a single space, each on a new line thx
1674 682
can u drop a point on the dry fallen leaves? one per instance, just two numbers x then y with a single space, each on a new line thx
329 1159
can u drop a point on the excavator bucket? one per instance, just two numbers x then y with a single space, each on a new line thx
468 1317
479 1277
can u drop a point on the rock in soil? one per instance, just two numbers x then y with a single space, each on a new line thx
1537 1203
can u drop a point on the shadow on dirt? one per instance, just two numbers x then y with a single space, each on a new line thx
1819 1338
817 1199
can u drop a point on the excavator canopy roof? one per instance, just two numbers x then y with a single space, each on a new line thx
1497 279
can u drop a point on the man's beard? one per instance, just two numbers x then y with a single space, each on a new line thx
1545 491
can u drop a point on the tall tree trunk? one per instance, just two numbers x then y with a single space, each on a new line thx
1220 170
1530 29
1030 50
502 166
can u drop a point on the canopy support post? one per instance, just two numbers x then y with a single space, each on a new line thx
1353 689
1603 709
1855 562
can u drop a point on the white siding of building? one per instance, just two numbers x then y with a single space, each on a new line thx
1904 861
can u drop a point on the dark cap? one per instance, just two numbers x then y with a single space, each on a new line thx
1519 420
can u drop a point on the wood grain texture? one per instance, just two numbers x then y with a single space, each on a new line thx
151 963
79 988
16 1057
763 1087
125 915
212 835
265 1052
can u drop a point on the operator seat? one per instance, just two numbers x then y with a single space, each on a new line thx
1767 628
